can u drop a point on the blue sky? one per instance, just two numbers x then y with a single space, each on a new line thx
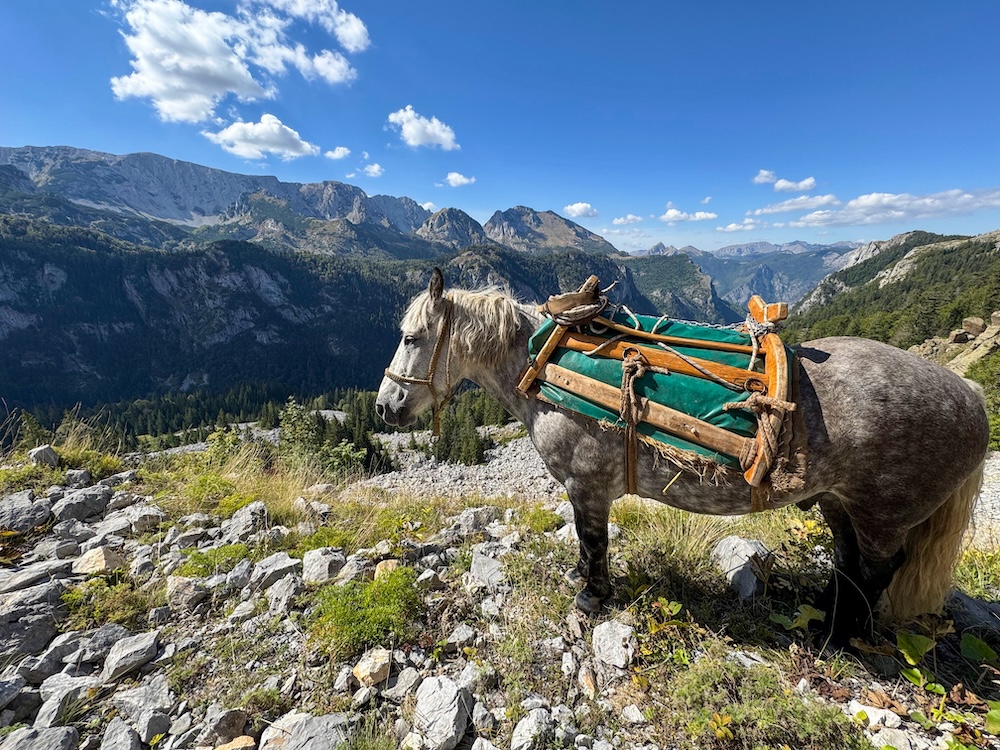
703 123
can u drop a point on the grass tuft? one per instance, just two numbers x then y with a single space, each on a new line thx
200 564
361 615
116 599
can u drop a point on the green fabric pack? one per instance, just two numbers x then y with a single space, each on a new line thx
697 397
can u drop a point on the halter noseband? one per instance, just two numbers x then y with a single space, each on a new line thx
443 335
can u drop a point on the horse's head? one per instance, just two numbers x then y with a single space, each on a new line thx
420 375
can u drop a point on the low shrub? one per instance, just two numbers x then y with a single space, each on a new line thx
116 599
202 563
360 615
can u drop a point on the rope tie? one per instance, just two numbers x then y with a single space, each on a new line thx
634 366
757 331
762 406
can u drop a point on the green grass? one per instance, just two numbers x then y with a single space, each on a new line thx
200 564
763 711
24 476
978 573
117 599
360 615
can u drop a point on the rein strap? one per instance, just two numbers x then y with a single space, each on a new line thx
437 404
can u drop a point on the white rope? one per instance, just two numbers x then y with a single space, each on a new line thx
757 331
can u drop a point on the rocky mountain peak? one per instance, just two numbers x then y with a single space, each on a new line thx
527 230
453 227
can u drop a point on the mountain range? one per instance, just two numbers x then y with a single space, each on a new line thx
127 276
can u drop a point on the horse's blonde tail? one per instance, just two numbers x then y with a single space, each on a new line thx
932 550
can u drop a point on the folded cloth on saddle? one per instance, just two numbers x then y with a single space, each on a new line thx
698 397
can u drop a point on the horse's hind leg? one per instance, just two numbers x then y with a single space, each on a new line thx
859 576
590 513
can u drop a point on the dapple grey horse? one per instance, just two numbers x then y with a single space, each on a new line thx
894 458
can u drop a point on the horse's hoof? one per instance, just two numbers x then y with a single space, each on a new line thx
575 577
587 602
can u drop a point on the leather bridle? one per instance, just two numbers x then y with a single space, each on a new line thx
444 334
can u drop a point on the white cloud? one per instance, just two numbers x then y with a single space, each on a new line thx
745 226
787 186
457 180
186 61
627 219
332 67
882 208
764 177
633 233
252 140
364 155
802 203
350 175
429 206
673 215
349 30
341 152
373 170
580 210
706 200
416 130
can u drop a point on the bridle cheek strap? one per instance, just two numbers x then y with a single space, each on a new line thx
444 334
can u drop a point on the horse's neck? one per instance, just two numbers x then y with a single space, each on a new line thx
501 381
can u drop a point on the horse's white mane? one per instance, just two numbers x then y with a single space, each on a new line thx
484 326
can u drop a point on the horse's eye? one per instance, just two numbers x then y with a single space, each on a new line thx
410 340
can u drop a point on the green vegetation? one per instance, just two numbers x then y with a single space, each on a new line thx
360 615
986 372
214 561
116 599
952 280
716 699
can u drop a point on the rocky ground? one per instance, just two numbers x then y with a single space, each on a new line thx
220 653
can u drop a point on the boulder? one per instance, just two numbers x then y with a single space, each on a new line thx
222 724
20 512
119 736
318 733
373 667
974 325
44 455
100 561
82 504
533 730
276 735
152 695
129 654
737 559
28 618
323 564
272 569
442 712
614 643
150 723
29 738
184 594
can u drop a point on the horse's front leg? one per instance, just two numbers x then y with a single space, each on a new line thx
590 512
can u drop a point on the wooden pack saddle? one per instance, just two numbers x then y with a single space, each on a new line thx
666 370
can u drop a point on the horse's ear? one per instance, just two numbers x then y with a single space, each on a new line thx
435 289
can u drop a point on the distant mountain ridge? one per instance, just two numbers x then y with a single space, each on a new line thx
523 228
262 208
783 272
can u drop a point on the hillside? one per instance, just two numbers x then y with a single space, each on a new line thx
88 318
137 197
680 289
915 286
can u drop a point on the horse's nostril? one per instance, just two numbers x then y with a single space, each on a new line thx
380 410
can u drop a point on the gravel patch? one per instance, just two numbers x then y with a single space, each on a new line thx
513 469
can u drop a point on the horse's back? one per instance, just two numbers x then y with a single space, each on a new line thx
889 415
